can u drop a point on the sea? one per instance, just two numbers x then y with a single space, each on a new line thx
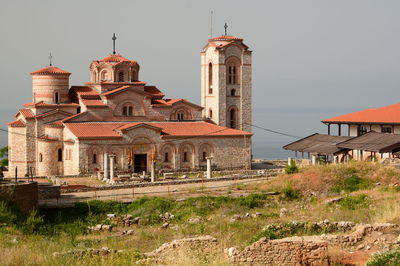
297 122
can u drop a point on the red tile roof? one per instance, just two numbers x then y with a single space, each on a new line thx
84 91
16 123
42 104
383 115
27 113
88 130
154 90
50 70
225 38
170 102
115 58
93 103
115 90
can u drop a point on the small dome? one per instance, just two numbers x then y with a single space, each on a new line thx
226 38
50 70
116 58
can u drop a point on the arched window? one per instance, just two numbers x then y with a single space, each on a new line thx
204 156
210 78
121 76
60 155
180 115
130 110
233 92
56 97
210 113
104 75
232 118
127 110
185 157
94 159
40 157
133 77
78 110
166 157
231 75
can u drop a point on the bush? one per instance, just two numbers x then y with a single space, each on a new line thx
354 202
389 258
7 215
291 168
351 183
289 193
33 223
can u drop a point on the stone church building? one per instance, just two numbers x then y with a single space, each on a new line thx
75 130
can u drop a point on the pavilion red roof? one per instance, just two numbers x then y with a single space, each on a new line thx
50 70
383 115
16 123
42 104
27 113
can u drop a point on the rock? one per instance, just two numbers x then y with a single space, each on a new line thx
106 227
195 220
165 226
232 251
111 215
184 177
128 232
14 241
359 247
136 220
283 212
333 200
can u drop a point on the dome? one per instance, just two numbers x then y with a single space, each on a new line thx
50 70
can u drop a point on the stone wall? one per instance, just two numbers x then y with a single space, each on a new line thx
48 191
287 251
23 194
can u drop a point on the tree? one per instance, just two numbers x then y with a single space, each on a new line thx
4 156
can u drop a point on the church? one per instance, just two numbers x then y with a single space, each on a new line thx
116 120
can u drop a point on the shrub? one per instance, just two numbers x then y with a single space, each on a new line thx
289 193
33 223
7 215
351 183
291 168
389 258
354 202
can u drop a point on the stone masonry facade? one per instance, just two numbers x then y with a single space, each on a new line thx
71 130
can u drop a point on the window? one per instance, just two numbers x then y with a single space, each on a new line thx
233 92
210 78
204 156
166 157
386 129
104 75
130 109
40 157
127 110
231 75
210 113
362 130
180 116
232 118
121 76
78 110
56 97
94 159
185 158
133 78
60 155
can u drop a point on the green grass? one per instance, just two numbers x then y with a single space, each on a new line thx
355 202
389 258
350 183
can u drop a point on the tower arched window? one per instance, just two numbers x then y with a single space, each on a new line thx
166 157
60 155
232 74
40 157
185 156
133 77
121 76
210 78
210 113
94 159
204 156
232 118
127 110
233 92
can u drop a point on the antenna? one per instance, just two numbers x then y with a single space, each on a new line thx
114 38
50 59
226 27
211 24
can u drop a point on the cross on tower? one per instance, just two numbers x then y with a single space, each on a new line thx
114 38
51 59
226 27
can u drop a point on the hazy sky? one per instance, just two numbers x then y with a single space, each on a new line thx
315 55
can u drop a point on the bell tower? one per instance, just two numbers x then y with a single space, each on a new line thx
226 82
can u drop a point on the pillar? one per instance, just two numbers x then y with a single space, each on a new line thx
112 163
313 160
105 160
152 172
209 167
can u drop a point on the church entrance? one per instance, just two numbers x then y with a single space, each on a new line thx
140 163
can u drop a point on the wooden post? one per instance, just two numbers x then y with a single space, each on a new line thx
329 129
339 129
16 173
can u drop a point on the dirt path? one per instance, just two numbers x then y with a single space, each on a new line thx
179 191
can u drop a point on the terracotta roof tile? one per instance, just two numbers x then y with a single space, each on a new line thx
225 38
385 115
115 58
84 91
93 103
115 90
50 70
16 123
154 90
88 130
27 113
42 104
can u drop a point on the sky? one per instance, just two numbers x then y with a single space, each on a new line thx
312 59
